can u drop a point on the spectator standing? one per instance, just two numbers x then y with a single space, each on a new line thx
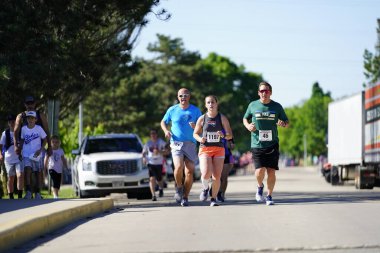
153 155
11 159
31 105
261 119
182 118
31 136
55 164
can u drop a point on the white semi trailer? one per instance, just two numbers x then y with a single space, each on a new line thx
354 139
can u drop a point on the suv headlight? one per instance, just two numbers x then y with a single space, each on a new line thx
86 165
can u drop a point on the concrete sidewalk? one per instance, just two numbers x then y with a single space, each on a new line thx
22 220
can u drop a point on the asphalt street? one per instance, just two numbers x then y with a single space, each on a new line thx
309 216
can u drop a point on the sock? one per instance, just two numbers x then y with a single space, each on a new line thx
205 183
11 195
19 194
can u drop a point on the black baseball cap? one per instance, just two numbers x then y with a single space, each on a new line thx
29 99
11 117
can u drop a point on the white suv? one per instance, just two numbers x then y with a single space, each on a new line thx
110 163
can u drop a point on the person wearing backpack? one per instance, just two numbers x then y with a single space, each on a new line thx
11 159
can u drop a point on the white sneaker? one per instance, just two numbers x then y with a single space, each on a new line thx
269 201
28 195
203 195
38 196
178 194
259 194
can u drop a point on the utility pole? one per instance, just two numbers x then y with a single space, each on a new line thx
80 134
304 149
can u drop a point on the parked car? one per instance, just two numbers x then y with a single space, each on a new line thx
168 165
110 163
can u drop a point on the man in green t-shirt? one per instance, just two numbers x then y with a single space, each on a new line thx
261 119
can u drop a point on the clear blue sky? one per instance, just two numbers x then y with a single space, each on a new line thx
292 43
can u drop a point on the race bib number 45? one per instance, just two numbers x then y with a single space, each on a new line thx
212 137
265 135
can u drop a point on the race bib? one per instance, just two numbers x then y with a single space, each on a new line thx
176 145
212 137
265 135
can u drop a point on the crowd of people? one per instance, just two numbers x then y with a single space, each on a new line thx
28 153
193 136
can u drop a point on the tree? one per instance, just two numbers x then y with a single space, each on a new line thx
372 61
134 101
64 49
310 119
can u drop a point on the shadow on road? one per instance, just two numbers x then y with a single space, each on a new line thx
281 198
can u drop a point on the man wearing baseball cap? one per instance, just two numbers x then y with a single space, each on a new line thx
30 105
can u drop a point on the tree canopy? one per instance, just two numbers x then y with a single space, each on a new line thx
64 49
135 101
310 121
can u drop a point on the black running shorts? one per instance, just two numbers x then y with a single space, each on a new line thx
266 157
56 178
155 171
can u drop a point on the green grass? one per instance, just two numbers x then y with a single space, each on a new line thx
66 192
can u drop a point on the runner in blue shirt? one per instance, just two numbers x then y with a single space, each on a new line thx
182 118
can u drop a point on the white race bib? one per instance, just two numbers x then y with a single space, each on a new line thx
176 145
265 135
212 137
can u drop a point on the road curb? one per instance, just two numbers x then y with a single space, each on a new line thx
22 230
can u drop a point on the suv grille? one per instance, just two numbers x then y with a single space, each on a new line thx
118 167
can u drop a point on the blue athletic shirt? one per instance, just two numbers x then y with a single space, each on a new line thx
180 119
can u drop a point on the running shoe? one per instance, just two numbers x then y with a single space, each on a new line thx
154 198
269 200
178 194
185 202
259 194
203 196
37 196
213 202
28 195
220 197
161 193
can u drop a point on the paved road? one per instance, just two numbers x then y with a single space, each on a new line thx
309 216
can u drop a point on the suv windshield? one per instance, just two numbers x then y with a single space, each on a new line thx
113 145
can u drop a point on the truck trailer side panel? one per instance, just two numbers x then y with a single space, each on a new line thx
372 124
345 131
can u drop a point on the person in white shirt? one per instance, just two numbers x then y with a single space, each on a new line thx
33 140
55 164
153 156
11 159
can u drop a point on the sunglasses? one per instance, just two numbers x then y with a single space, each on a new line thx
183 95
264 91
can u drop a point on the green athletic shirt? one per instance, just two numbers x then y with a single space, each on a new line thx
265 117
